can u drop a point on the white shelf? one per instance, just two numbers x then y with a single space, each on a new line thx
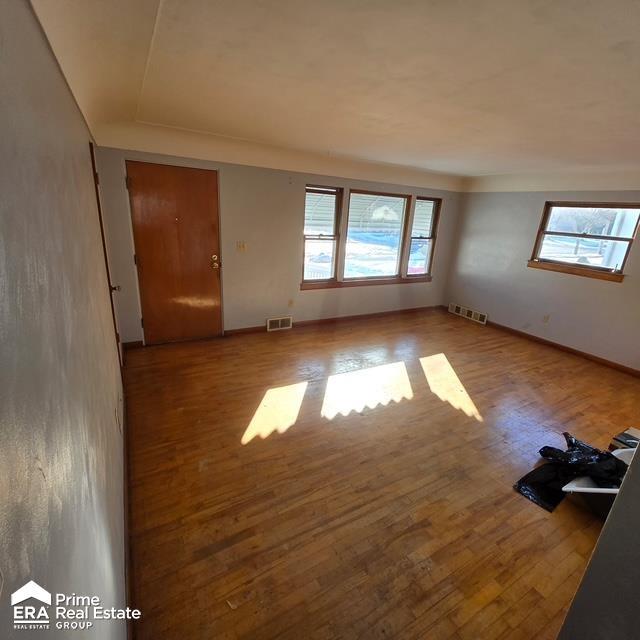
584 484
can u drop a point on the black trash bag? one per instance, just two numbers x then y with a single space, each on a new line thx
584 460
544 484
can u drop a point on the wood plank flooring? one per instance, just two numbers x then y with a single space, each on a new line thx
394 521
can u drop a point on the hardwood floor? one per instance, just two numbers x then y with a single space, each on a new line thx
397 521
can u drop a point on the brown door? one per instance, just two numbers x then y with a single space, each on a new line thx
175 230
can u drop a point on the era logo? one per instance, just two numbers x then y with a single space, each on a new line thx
34 615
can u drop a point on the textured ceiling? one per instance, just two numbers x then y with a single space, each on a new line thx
460 86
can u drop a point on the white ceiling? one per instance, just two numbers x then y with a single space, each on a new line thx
468 87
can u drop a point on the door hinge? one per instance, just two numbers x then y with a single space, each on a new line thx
142 322
135 259
96 177
127 182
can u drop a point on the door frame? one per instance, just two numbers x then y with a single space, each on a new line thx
190 164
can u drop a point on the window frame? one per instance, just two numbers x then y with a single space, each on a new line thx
337 219
437 203
591 271
403 232
342 222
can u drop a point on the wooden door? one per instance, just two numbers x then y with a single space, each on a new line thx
177 244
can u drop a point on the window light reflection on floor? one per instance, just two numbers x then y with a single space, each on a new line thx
355 390
278 411
444 383
194 301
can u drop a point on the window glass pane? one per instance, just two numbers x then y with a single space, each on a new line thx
587 252
419 257
319 214
602 222
423 218
319 256
374 235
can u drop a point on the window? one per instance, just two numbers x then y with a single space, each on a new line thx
374 235
321 209
382 240
586 239
423 236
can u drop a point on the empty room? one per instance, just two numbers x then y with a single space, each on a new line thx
319 319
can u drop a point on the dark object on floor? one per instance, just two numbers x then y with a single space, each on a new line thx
544 484
624 440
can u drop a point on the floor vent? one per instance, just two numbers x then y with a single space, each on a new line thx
476 316
278 324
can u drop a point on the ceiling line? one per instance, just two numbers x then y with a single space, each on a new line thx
328 153
223 135
149 50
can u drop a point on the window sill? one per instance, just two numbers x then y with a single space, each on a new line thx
335 284
576 271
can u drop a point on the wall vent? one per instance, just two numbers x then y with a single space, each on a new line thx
278 324
476 316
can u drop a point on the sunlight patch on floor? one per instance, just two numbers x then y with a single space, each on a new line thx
355 390
444 382
278 411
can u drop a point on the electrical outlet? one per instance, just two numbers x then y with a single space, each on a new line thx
545 319
290 303
241 246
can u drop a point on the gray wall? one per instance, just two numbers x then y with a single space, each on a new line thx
490 273
484 243
604 608
61 508
263 207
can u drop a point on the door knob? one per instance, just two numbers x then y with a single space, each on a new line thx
214 262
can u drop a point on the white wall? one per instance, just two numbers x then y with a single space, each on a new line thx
490 273
264 208
61 462
487 247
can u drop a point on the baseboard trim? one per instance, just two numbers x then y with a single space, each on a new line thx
244 330
338 319
136 344
380 314
589 356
